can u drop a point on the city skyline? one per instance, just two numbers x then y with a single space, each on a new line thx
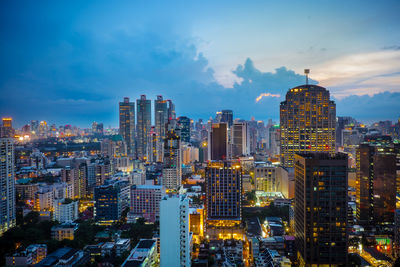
75 60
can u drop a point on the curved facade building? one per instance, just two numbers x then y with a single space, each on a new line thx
307 122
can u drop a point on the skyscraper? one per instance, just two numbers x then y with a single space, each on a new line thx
321 208
171 110
240 139
172 169
153 149
184 123
223 193
308 120
376 185
143 124
7 185
174 231
160 115
227 116
218 142
127 124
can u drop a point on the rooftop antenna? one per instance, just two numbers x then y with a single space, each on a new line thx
306 72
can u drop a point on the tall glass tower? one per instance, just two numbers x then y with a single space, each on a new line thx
127 124
143 126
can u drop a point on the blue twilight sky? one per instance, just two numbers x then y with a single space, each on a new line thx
70 62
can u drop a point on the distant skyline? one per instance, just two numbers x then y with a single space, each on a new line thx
72 62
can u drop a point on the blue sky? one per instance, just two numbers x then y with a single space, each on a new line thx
70 62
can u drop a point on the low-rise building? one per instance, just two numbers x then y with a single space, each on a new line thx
64 231
143 255
32 255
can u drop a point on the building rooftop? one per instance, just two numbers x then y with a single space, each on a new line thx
145 243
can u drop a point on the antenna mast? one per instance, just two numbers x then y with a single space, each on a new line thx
306 72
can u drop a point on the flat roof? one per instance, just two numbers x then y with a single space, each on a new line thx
145 243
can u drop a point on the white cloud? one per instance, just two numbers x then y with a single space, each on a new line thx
365 73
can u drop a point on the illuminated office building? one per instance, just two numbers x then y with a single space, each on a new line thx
143 126
6 130
172 169
321 209
218 142
127 124
307 122
160 115
154 146
110 201
223 193
7 185
376 185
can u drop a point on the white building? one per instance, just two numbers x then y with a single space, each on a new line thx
7 185
65 210
137 177
240 139
175 243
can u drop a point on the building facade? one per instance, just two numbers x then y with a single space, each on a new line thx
376 181
223 192
145 201
307 122
127 124
321 209
143 126
7 187
218 142
175 238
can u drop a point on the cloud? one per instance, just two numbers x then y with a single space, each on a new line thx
57 71
266 95
365 73
380 106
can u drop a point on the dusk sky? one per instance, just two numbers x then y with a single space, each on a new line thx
71 62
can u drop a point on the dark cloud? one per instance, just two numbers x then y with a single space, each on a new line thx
370 108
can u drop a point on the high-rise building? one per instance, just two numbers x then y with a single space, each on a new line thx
35 127
143 126
321 209
127 124
113 146
174 231
7 131
145 201
376 185
7 185
153 149
110 200
172 169
227 117
218 142
223 193
307 122
171 110
184 123
160 115
240 139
